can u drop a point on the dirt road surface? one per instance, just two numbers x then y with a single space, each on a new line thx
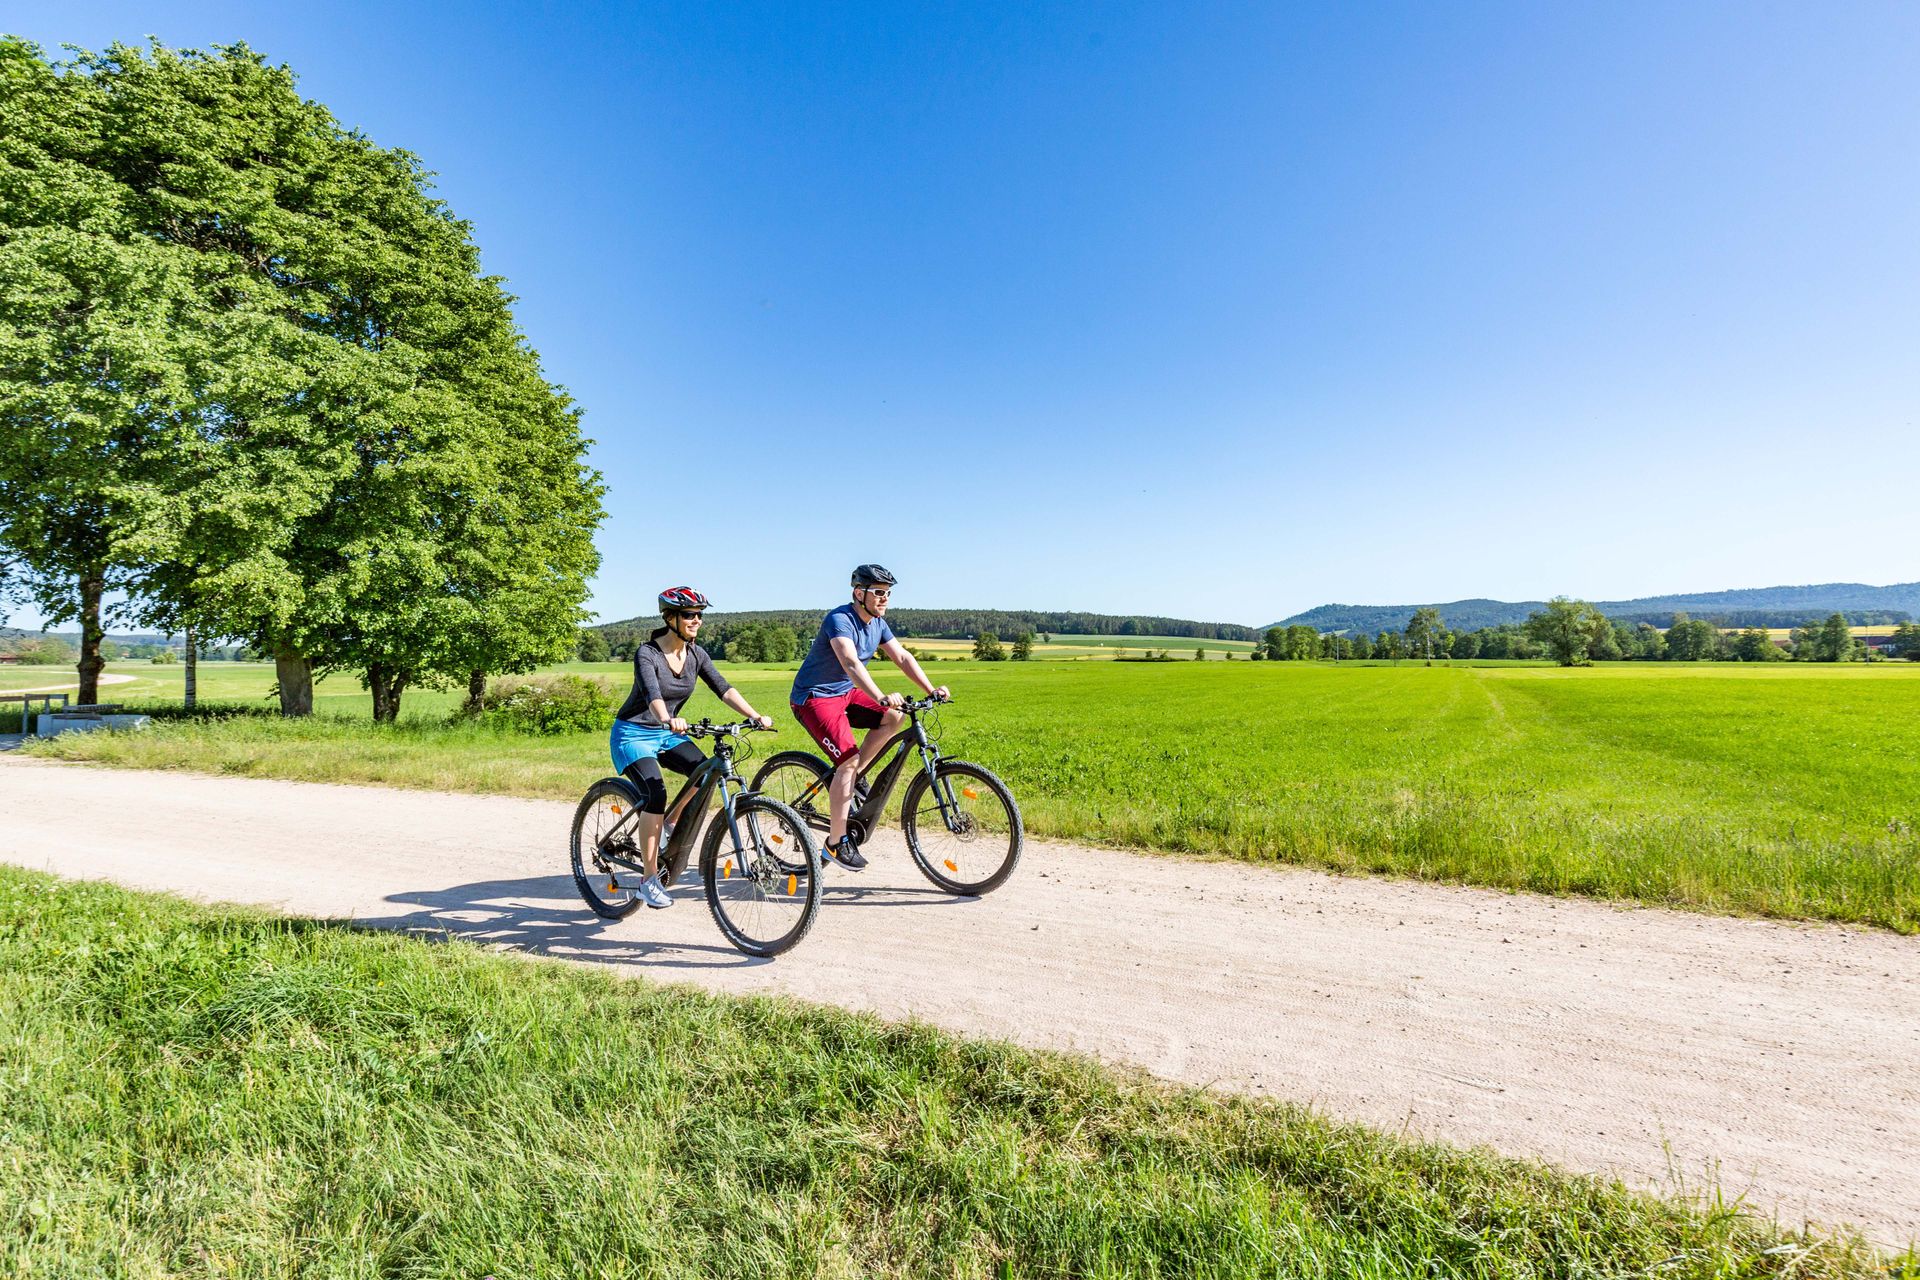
105 677
1665 1048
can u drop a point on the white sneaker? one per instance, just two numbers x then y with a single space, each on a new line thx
652 894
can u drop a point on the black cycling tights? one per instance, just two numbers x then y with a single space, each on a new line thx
645 774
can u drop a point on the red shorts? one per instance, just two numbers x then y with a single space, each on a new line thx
832 721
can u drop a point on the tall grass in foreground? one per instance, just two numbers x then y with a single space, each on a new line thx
1777 789
210 1092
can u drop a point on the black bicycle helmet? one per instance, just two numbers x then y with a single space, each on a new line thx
681 599
872 575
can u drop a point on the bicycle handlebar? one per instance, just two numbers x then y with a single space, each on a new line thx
739 728
708 729
922 704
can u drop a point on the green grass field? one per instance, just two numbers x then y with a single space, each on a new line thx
195 1091
1788 790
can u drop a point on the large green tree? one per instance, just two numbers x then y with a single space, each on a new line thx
1692 639
1423 633
287 402
1906 641
100 334
1569 630
1755 645
1834 641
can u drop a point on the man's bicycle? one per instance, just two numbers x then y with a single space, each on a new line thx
962 824
758 860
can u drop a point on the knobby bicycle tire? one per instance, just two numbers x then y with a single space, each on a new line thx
599 884
786 775
735 888
941 853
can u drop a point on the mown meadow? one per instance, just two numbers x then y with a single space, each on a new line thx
198 1091
1781 790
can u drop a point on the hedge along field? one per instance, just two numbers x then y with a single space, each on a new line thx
1784 790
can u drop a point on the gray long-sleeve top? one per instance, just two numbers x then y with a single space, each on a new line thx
653 678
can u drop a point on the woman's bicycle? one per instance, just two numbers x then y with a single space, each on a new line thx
962 824
758 861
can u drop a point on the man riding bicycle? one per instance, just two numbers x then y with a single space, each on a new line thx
649 732
833 694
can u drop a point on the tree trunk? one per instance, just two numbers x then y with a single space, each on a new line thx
193 669
92 586
476 692
295 674
387 685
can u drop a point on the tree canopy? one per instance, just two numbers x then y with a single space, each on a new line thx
252 375
1570 629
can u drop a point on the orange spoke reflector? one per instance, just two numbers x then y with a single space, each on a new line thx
969 793
950 865
613 886
793 885
726 869
777 838
617 809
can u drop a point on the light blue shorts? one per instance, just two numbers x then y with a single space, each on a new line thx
630 742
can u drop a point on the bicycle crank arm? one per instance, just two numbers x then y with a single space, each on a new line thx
618 861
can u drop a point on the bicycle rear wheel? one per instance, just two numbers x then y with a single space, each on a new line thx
973 846
797 779
763 890
612 891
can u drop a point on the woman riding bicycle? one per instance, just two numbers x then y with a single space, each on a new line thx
648 731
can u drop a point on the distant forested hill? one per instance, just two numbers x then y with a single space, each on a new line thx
964 624
1749 607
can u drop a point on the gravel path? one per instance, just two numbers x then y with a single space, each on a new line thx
1666 1048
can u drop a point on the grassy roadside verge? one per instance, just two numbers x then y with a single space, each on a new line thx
206 1091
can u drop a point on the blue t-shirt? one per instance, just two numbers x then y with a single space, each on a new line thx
821 675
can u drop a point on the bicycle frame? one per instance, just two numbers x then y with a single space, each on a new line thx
714 775
865 818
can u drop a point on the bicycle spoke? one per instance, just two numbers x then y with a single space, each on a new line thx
602 843
963 829
762 890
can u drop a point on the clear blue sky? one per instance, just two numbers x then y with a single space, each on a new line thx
1212 311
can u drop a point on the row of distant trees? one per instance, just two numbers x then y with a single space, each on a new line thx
1007 625
1573 632
772 642
739 641
255 386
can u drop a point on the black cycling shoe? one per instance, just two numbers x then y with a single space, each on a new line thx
847 854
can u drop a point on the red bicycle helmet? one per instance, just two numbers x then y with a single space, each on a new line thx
682 600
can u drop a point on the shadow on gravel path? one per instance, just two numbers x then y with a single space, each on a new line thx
544 916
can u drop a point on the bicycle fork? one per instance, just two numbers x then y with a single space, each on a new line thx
751 847
942 789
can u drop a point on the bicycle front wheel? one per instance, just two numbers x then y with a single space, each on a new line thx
964 830
764 887
612 891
